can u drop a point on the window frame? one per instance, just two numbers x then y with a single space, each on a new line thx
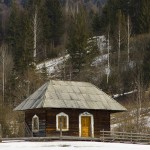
57 121
34 130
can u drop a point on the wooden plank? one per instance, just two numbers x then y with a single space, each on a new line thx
28 119
101 121
47 118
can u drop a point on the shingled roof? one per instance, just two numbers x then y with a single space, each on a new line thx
69 94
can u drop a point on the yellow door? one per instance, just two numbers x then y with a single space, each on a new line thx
85 126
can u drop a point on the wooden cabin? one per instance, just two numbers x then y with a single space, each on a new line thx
74 108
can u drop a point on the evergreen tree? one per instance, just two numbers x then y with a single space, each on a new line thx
79 40
1 28
146 65
8 2
53 22
144 17
13 35
18 38
96 24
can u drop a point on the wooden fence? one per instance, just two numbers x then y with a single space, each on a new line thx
105 136
124 137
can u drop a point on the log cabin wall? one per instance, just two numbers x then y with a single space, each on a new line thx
47 121
101 121
42 122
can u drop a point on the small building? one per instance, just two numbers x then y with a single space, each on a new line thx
74 108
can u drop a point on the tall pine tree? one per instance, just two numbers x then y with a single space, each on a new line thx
18 38
53 22
80 46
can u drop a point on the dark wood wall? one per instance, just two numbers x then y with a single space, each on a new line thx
42 121
47 119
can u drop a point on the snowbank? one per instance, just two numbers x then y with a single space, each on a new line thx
64 145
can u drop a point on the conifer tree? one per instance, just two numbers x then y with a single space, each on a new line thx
53 22
146 65
144 17
13 35
18 37
78 36
79 42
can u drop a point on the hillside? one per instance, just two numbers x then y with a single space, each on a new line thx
104 42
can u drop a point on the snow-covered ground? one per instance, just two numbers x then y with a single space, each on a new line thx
99 59
126 93
64 145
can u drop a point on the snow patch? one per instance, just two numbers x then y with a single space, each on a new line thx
53 65
126 93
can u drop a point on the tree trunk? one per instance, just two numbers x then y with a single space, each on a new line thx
128 44
35 34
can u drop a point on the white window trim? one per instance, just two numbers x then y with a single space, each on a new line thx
35 131
92 123
62 114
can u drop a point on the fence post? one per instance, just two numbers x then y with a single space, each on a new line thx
60 130
140 134
0 133
131 137
103 135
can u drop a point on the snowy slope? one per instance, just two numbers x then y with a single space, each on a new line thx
64 145
53 65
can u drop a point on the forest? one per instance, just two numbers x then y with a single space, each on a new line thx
36 31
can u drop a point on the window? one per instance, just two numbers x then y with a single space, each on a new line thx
35 124
62 121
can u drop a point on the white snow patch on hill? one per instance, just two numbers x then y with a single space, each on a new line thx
53 64
99 59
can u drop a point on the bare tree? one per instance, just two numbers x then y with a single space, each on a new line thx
108 62
129 35
139 96
121 33
128 45
6 66
35 32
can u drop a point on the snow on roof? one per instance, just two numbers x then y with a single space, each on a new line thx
70 94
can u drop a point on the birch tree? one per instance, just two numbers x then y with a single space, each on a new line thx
129 34
5 67
35 33
108 53
121 34
35 26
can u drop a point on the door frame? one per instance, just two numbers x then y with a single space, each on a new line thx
92 123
